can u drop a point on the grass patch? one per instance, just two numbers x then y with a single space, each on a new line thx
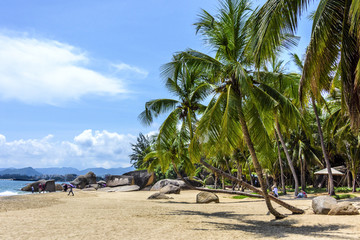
243 196
343 196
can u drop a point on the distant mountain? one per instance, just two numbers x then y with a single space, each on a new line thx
97 171
104 171
29 171
58 171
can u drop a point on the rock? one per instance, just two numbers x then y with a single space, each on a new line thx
344 208
49 186
59 187
169 189
119 180
323 204
162 183
91 177
142 178
209 180
159 196
206 197
127 188
83 180
195 182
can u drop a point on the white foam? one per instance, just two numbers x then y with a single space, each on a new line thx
8 193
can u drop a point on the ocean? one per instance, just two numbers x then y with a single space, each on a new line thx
10 188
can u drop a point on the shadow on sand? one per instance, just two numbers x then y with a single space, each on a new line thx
266 229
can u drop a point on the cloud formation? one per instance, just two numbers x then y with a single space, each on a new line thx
126 71
88 149
42 71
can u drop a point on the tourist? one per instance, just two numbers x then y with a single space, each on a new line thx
32 189
71 190
302 194
275 191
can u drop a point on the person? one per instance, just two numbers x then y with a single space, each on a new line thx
40 187
71 190
32 189
65 187
275 191
302 194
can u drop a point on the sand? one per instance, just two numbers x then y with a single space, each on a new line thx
129 215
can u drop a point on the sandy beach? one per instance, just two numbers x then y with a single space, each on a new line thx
129 215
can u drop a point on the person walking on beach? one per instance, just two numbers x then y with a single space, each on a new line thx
71 190
275 191
32 189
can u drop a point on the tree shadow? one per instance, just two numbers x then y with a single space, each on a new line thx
275 228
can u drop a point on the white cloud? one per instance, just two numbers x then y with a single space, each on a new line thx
49 72
129 71
88 149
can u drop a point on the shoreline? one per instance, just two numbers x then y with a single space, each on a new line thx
129 215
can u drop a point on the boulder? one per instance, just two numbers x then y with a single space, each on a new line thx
210 180
207 197
119 180
59 187
169 189
127 188
83 180
323 204
159 196
142 178
195 182
162 183
49 186
344 208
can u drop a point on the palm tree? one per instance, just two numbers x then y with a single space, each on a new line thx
232 112
187 85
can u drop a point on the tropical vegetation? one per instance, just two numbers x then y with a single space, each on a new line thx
239 113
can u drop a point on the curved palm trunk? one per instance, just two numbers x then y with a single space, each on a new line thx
251 179
281 167
291 165
293 209
303 172
328 166
256 163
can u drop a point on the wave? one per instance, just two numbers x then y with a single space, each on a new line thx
8 193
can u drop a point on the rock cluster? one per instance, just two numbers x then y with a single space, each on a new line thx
49 186
328 205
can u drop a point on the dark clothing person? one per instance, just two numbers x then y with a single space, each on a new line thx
65 188
71 190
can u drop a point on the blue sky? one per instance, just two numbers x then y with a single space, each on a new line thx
74 75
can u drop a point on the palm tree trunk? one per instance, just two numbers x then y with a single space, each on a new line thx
251 179
328 166
303 172
256 163
239 173
291 165
353 173
293 209
281 167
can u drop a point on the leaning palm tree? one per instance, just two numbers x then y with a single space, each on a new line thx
233 116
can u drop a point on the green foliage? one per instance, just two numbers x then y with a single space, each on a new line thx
140 149
343 196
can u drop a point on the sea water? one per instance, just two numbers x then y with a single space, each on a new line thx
10 188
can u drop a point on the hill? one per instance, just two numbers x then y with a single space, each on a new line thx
29 171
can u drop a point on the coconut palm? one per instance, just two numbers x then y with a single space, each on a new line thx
232 116
187 85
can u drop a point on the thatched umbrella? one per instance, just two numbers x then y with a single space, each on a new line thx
325 172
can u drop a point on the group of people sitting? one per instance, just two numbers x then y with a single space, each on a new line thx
302 193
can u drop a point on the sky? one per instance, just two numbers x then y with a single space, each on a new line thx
75 75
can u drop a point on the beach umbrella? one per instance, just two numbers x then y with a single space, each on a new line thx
71 185
325 172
